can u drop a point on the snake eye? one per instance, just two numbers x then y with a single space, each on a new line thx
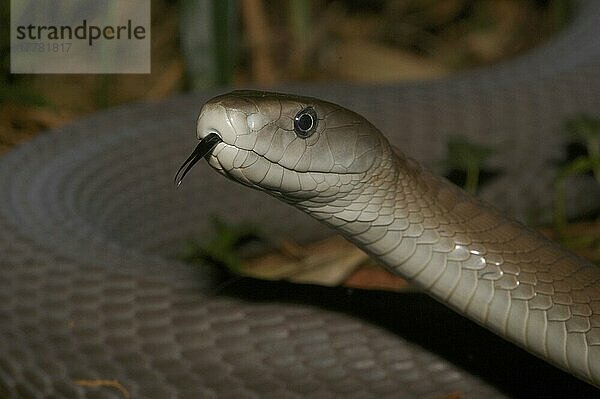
305 122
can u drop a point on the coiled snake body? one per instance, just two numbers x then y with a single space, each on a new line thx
334 165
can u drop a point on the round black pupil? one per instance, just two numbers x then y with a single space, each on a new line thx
305 122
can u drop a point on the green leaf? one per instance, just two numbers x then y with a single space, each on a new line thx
583 127
467 157
578 166
223 249
464 154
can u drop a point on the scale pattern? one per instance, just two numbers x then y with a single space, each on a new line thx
89 222
490 268
460 250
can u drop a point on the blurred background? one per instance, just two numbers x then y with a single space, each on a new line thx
199 44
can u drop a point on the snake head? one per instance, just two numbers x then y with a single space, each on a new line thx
292 147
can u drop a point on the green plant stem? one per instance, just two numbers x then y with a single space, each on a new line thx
472 179
300 19
222 13
593 148
560 214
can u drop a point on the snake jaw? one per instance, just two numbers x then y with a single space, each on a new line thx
204 148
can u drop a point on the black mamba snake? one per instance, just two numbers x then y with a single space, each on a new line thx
334 165
89 221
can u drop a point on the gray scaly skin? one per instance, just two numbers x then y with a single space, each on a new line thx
343 172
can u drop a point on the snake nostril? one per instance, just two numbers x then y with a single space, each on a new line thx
214 119
212 133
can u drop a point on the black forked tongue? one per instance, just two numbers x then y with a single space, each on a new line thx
206 145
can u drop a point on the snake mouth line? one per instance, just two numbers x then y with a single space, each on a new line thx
204 148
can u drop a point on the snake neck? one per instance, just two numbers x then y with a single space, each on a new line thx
389 213
463 252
